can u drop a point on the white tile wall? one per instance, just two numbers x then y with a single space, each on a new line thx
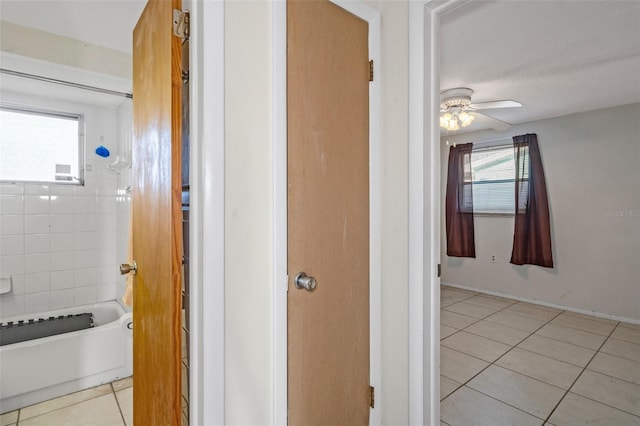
36 224
61 244
11 204
11 225
62 241
61 280
62 299
37 283
11 244
36 243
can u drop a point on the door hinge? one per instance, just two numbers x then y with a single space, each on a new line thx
372 397
371 70
181 24
439 270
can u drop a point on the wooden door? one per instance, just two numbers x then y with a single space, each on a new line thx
157 217
328 214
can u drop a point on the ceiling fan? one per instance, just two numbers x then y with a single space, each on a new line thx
460 112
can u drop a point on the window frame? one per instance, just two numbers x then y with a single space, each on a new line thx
491 147
53 113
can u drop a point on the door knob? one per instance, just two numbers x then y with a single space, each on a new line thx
125 268
302 281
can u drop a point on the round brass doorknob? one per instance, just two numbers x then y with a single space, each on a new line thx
125 268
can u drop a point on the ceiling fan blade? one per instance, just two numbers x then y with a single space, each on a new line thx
494 123
495 104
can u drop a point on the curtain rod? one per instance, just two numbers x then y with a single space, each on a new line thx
66 83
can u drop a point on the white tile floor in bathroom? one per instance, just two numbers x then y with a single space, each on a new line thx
110 404
505 362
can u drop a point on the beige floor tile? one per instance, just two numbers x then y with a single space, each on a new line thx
572 354
590 317
451 298
622 349
614 366
617 393
125 401
490 302
470 310
573 336
529 310
627 334
458 366
469 407
628 325
527 394
63 401
575 410
477 346
447 386
540 367
455 320
127 382
446 301
500 333
100 411
9 418
446 331
516 321
446 289
583 324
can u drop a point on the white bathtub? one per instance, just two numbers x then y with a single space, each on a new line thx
41 369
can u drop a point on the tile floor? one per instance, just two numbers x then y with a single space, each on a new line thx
502 363
110 404
505 362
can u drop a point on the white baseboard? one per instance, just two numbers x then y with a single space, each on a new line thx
550 305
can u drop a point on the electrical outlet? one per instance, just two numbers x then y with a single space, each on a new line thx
493 258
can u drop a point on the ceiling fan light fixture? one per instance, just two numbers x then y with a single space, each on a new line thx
452 122
449 121
466 118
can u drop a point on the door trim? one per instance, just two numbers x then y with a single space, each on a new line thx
207 212
424 208
280 278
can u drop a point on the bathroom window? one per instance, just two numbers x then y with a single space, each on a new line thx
41 146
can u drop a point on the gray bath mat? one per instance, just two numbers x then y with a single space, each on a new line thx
21 331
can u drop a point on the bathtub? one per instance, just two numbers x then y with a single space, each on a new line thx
41 369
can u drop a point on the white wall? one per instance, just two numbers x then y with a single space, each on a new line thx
248 219
393 72
248 222
58 242
591 165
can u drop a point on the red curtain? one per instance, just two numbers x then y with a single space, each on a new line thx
532 233
459 203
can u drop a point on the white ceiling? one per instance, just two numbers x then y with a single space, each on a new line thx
555 57
107 23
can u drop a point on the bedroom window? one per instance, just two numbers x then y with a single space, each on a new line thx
493 178
41 146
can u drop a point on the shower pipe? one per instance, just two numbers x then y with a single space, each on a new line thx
65 83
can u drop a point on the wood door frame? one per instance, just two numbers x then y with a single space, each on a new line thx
280 278
206 127
424 208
